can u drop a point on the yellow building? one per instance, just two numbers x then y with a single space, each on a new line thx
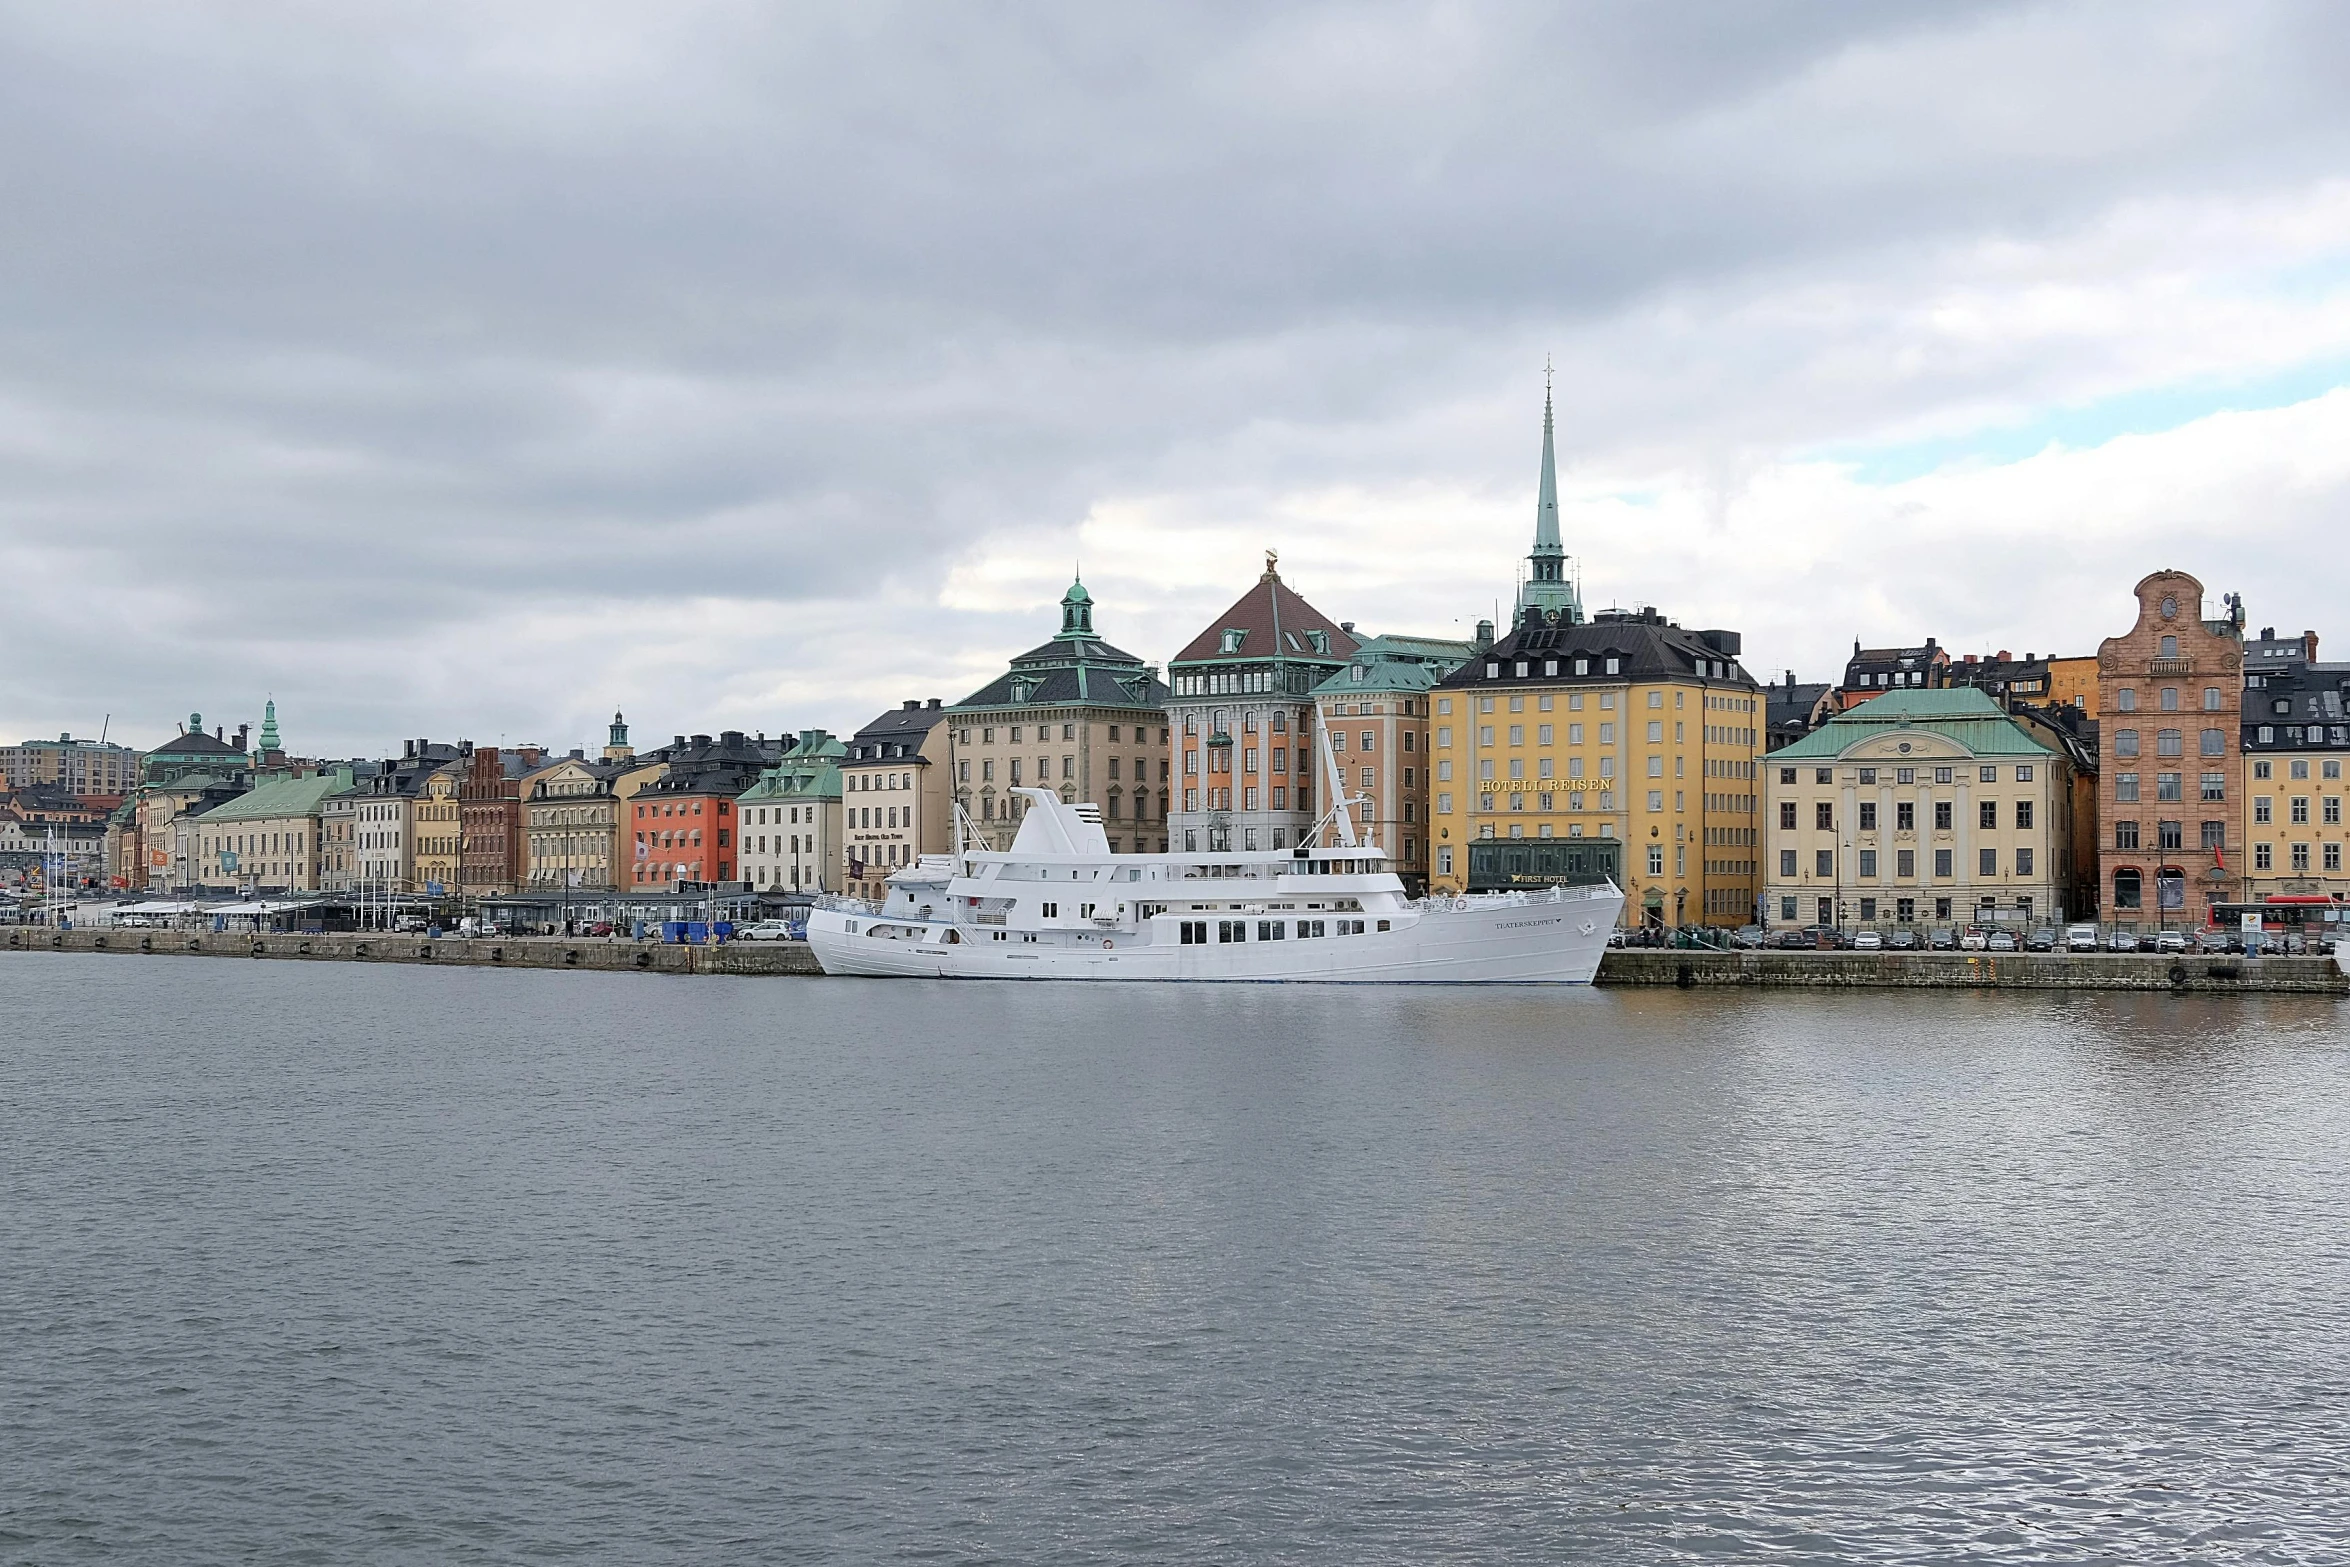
2296 742
439 834
2071 680
1627 730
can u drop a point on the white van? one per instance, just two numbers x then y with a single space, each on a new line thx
2080 938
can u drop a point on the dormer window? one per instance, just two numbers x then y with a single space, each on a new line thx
1229 640
1320 640
1582 666
1615 666
1359 673
1521 669
1492 670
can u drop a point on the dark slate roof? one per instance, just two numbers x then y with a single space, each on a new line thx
1274 621
1119 685
727 765
195 742
1647 646
2316 703
898 732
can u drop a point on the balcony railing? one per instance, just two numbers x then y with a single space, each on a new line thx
2170 666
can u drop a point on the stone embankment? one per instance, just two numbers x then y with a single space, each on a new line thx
1971 971
1630 967
531 952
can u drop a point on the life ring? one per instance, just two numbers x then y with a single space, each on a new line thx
1107 945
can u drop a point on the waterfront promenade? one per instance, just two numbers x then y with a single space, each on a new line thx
1638 967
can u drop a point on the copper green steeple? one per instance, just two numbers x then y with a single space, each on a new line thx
269 741
1548 587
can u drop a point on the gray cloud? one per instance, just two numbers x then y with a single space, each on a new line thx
460 370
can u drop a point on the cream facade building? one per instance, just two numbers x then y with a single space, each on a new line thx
897 797
267 839
571 826
789 823
1076 716
1918 808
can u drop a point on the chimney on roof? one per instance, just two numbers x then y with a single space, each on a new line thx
241 729
578 755
678 743
2268 633
2005 657
1347 626
1970 658
2309 646
934 700
914 705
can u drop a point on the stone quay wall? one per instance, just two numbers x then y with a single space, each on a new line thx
1972 971
531 952
1636 966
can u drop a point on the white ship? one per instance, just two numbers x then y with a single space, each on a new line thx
1060 905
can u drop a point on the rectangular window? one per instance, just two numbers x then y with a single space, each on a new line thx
1787 864
1542 734
2215 835
2333 810
1656 859
1868 863
2167 742
1941 775
1905 816
1905 863
1656 799
1517 734
2260 810
2168 836
2215 742
1944 810
1824 775
2301 856
2166 786
2125 835
2261 860
1787 909
1824 816
1942 863
1868 775
2125 788
2023 862
2333 856
1868 816
2300 810
1787 815
1824 862
2215 786
1986 775
2023 814
2125 742
1987 814
1986 862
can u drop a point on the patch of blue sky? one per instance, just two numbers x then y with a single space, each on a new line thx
2145 411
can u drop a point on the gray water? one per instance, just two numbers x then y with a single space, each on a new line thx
315 1263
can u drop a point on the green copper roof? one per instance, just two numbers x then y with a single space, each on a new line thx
1962 715
1398 663
269 727
810 770
276 797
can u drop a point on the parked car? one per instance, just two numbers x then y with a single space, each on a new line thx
2216 941
1615 938
1793 939
1999 941
2171 941
765 930
1943 940
1868 941
1902 941
409 924
2042 939
2123 941
2080 938
1973 941
1747 936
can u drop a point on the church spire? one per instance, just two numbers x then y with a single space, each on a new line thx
269 740
1548 588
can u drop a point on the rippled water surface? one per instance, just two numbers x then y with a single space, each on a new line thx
325 1263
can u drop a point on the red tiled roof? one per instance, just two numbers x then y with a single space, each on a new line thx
1263 609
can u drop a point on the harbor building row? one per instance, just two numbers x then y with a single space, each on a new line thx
2181 772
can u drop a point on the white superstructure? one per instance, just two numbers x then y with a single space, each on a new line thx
1060 905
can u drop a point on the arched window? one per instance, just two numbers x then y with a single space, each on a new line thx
2128 889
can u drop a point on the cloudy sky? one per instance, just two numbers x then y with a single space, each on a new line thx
464 370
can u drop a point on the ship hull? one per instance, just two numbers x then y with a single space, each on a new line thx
1540 940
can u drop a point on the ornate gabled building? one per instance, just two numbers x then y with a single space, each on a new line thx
1077 716
1242 713
2170 792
